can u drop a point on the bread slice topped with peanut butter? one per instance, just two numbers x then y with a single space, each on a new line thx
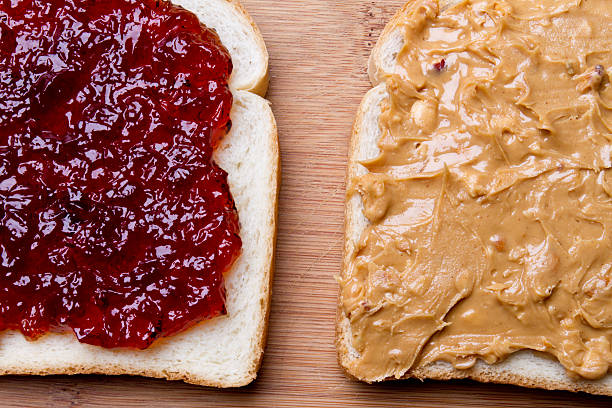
479 200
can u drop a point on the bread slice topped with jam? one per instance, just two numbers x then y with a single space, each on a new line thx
139 177
479 202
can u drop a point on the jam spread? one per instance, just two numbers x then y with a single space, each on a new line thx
115 220
489 205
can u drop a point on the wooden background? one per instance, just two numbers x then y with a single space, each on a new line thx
319 52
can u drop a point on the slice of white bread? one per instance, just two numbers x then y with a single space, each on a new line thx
225 351
524 368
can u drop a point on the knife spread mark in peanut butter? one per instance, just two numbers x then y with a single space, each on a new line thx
490 203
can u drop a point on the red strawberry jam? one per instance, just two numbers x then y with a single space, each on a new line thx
115 221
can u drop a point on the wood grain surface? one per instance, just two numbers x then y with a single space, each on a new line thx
319 52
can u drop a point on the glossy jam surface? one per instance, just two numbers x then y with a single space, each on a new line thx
115 221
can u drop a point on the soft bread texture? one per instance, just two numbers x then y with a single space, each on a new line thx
225 351
524 368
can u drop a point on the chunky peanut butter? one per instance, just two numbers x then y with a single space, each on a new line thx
490 203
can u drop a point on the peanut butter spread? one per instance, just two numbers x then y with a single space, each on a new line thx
490 203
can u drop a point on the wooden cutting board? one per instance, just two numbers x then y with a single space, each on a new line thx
319 51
